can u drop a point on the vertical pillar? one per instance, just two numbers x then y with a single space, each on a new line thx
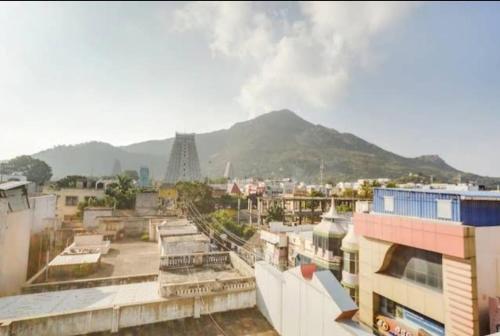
5 328
197 305
115 319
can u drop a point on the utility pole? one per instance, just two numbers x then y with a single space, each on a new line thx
321 171
239 203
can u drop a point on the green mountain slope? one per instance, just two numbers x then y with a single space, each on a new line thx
278 144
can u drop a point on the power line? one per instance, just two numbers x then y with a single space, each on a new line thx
203 223
204 304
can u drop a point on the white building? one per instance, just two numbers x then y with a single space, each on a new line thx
305 302
19 217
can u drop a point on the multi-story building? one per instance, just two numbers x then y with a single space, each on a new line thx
69 198
429 261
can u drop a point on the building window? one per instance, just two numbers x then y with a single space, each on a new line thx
416 265
331 244
443 209
71 200
350 262
389 203
396 319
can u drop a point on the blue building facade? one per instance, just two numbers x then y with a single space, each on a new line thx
474 208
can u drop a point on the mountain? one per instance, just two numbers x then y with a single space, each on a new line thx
276 144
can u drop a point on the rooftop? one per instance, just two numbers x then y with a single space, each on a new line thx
125 258
479 194
185 238
20 306
75 259
201 273
13 185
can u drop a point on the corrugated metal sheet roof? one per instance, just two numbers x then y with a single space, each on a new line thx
13 185
468 194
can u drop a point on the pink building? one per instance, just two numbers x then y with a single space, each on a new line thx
429 261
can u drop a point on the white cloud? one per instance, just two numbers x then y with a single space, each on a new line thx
299 64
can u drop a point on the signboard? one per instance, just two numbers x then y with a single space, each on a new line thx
407 323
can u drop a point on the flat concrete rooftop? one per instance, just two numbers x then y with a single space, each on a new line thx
125 258
189 238
75 259
200 273
234 323
21 306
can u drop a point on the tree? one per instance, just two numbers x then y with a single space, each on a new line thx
94 202
71 181
35 170
313 204
122 192
225 220
275 213
391 185
200 194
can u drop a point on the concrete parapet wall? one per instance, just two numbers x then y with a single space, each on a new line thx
114 318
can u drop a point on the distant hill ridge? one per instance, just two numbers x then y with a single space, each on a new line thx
276 144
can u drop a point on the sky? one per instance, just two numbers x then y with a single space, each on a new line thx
413 78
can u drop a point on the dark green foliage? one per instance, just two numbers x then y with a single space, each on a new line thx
313 204
276 144
225 220
72 180
200 194
275 213
230 202
95 202
122 192
35 170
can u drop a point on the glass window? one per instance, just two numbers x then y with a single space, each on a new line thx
350 262
443 209
389 203
420 266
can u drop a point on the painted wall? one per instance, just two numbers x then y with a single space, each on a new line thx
182 246
43 212
90 216
488 274
269 293
372 254
117 317
14 249
447 238
67 210
146 203
298 307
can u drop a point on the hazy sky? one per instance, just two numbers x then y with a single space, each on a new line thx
413 79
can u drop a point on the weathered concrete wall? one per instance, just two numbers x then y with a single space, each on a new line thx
40 287
15 229
43 212
184 246
71 210
114 318
146 203
90 216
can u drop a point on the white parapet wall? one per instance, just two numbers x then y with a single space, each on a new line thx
107 309
299 306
